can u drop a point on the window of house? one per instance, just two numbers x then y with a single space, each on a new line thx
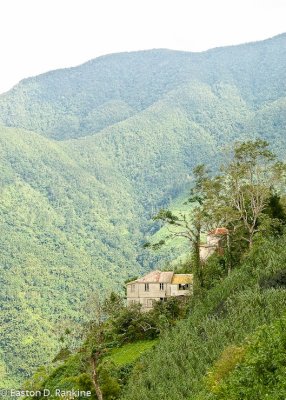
183 286
146 287
161 286
132 288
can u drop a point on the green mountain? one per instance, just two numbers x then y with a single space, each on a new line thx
89 154
83 100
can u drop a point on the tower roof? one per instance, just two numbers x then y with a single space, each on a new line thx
218 231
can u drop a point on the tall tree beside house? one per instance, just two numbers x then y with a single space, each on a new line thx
202 216
238 199
251 180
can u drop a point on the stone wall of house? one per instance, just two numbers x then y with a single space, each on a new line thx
206 251
136 293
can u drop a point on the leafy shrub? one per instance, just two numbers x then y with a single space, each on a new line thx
260 373
131 324
214 270
108 379
277 280
63 354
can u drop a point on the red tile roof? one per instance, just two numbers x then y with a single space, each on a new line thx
156 276
218 231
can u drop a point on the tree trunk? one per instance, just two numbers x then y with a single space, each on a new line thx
198 272
228 256
251 234
95 379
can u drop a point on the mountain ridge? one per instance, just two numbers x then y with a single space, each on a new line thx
62 103
155 49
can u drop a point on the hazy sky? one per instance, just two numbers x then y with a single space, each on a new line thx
40 35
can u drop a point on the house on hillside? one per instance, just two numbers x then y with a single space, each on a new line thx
216 241
158 286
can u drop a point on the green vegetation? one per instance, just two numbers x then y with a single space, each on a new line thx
113 344
245 199
130 352
230 342
196 357
207 345
90 154
54 252
258 369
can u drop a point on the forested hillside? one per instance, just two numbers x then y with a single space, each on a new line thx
89 154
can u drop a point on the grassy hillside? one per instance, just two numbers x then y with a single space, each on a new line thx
90 154
205 353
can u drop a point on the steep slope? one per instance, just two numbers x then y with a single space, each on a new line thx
217 335
59 244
